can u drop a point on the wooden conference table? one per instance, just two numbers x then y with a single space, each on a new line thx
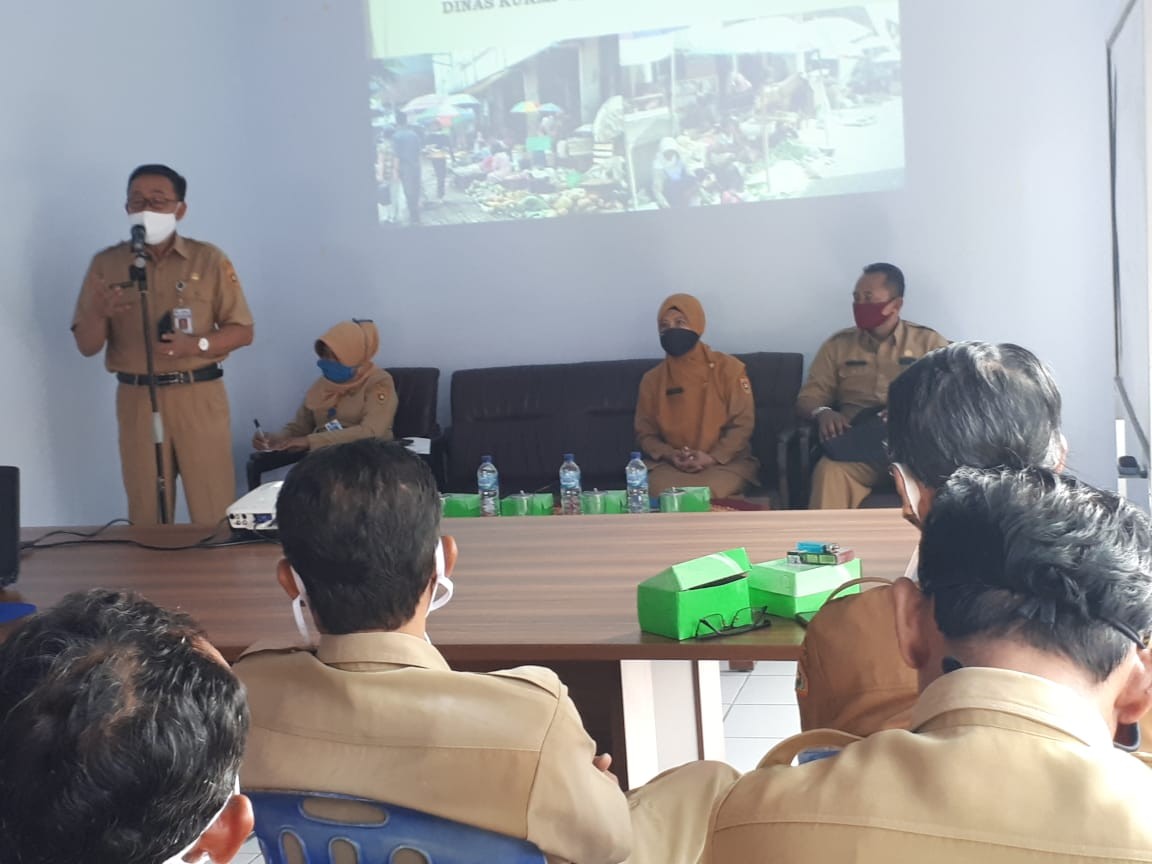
555 591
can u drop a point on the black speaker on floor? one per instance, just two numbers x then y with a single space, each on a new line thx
9 525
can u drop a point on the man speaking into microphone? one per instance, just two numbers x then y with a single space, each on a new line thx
198 315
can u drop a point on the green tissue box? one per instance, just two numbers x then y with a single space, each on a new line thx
798 580
673 602
597 501
788 606
786 589
525 504
460 504
686 499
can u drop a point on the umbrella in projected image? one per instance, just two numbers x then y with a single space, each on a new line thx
444 113
837 37
435 100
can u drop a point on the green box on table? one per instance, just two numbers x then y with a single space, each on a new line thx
673 602
460 504
787 589
686 499
524 504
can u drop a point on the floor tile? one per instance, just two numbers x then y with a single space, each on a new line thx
730 686
762 721
767 690
775 667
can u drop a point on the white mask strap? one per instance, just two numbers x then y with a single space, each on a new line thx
298 608
911 488
442 581
178 858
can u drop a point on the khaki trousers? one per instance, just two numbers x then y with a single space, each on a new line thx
842 485
670 813
197 449
723 482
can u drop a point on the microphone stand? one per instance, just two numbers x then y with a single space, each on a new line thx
138 273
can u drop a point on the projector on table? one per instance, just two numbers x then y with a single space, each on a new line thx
256 511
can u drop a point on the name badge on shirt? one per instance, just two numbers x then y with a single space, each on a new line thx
182 320
673 391
333 425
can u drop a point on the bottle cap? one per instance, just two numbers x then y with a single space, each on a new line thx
485 459
569 457
635 454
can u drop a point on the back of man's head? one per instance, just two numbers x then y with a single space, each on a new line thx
359 523
120 737
976 405
1042 560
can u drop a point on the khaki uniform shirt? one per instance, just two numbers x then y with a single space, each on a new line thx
192 275
999 767
366 412
853 369
382 716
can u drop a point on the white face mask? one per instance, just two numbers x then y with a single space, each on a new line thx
178 858
158 227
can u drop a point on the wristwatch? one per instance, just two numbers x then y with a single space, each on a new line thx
203 345
817 412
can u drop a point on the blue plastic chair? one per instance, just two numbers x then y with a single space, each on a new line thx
439 841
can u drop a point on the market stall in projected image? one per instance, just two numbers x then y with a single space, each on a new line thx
683 113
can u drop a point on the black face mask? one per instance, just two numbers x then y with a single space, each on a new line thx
677 341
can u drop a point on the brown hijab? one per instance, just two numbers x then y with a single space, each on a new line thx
353 343
695 413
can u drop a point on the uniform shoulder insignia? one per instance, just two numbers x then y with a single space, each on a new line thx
543 678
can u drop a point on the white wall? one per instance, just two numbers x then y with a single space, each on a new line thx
1002 227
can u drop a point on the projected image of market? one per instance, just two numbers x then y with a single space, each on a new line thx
686 115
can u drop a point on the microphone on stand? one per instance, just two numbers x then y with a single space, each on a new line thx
137 238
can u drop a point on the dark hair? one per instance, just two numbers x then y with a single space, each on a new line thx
893 276
973 404
1040 558
179 184
359 523
120 737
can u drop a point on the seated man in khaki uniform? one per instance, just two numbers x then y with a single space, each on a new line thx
848 381
375 711
1029 632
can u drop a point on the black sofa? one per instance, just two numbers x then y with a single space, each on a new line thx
528 417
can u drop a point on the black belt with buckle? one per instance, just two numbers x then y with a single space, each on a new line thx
165 379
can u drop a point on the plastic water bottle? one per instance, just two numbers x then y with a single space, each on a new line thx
636 475
488 484
570 486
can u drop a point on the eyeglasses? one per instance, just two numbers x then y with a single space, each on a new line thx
748 618
135 205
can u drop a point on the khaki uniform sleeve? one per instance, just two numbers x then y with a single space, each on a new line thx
821 387
380 404
648 436
92 279
736 436
575 811
229 306
300 425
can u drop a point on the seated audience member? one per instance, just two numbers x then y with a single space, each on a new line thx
1028 631
352 399
971 404
695 412
121 734
847 388
375 711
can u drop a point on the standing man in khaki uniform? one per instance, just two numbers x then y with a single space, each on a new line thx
851 374
1031 649
375 711
194 286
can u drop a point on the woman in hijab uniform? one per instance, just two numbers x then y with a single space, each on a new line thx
695 413
353 398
